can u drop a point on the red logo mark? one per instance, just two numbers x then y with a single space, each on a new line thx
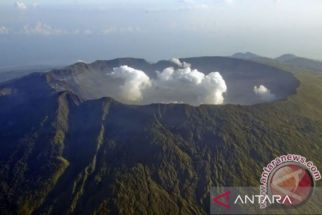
223 204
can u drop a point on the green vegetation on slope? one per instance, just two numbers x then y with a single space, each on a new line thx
103 157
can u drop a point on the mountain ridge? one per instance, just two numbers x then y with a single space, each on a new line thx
63 154
311 65
90 81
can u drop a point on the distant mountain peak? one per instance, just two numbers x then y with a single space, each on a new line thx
286 57
245 55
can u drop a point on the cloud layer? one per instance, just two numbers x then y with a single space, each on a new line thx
20 5
41 29
4 30
182 85
44 29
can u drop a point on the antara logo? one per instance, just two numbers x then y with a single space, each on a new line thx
224 199
260 199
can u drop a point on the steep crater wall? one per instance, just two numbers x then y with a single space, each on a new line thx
195 81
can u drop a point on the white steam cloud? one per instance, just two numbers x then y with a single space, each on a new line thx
134 83
182 85
179 63
264 93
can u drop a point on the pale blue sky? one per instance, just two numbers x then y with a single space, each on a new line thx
47 32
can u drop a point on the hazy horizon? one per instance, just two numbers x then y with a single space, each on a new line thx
51 33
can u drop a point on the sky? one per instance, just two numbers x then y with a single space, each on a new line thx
48 32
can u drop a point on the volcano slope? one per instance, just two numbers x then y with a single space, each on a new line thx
63 154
